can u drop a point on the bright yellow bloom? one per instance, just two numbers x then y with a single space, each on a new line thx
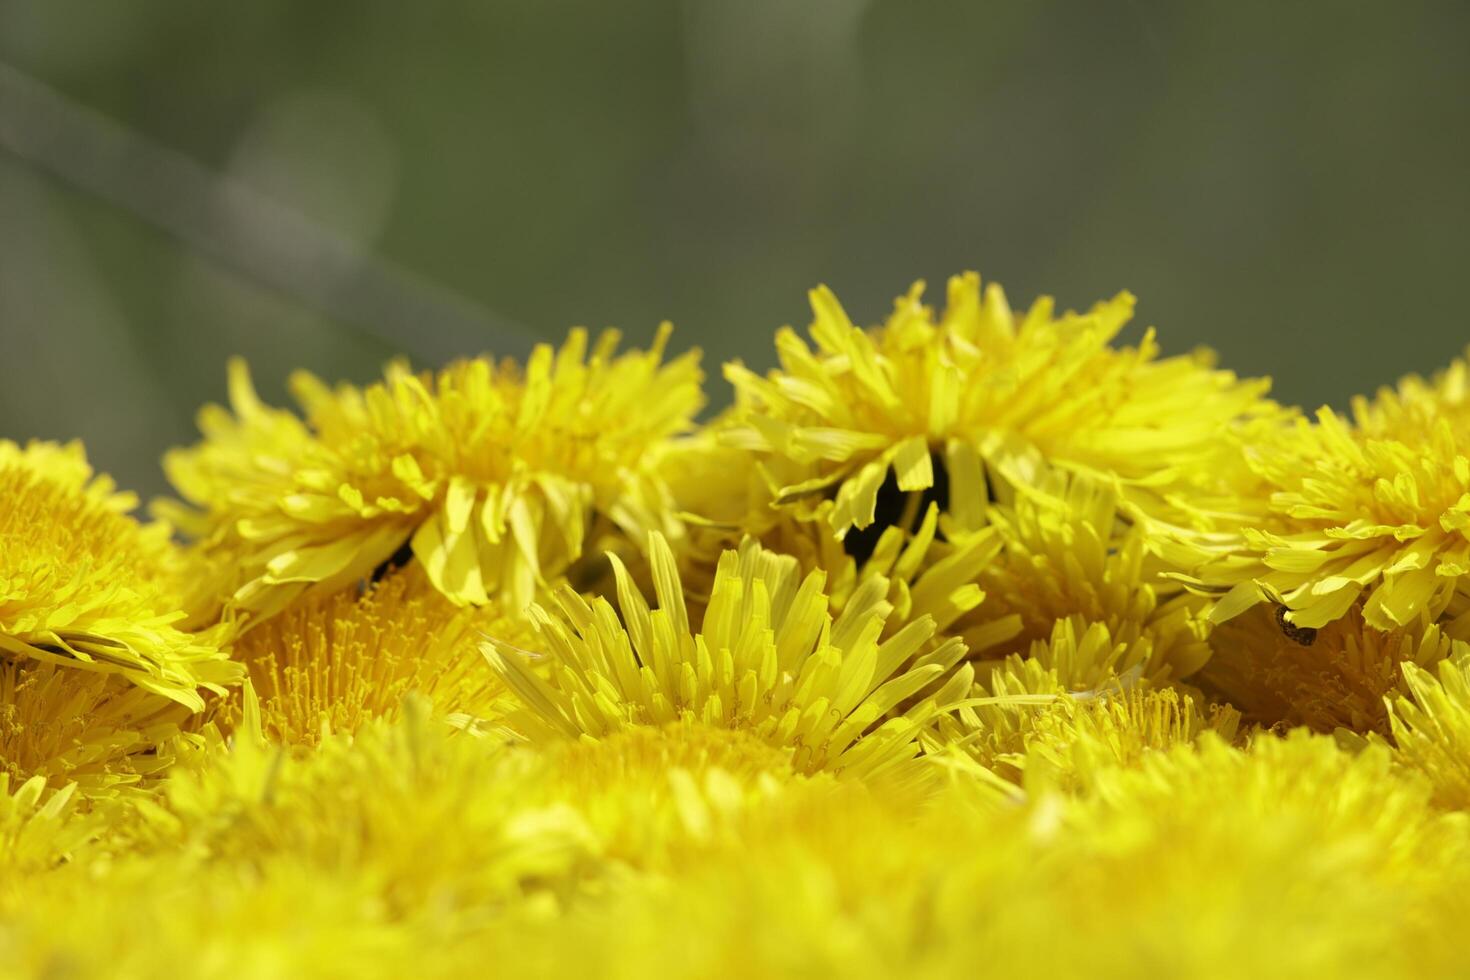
1334 677
1375 510
572 815
495 477
956 403
1033 727
1058 548
1074 741
397 851
332 664
85 586
910 575
1080 675
95 675
413 849
769 658
226 922
1069 553
1430 722
1086 658
1290 855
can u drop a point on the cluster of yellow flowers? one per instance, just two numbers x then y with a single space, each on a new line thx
972 641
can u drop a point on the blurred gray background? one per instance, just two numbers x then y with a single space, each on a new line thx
326 184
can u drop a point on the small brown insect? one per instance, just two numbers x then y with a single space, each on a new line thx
1300 635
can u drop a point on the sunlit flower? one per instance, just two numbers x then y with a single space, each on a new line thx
953 404
95 675
769 658
364 853
333 663
1080 671
1068 552
85 586
1375 508
1033 727
496 478
1074 741
1430 723
1417 402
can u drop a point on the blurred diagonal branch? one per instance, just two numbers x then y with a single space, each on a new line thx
277 247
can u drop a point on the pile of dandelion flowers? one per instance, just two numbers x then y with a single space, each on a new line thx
768 658
492 475
990 396
86 587
1430 724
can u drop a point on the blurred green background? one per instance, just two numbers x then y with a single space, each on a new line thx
1286 183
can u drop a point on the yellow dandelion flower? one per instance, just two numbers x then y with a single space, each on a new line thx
96 677
493 476
1068 552
909 575
333 663
1080 668
833 880
1085 658
1329 678
952 404
1430 725
1074 740
85 586
769 657
1376 509
1037 731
